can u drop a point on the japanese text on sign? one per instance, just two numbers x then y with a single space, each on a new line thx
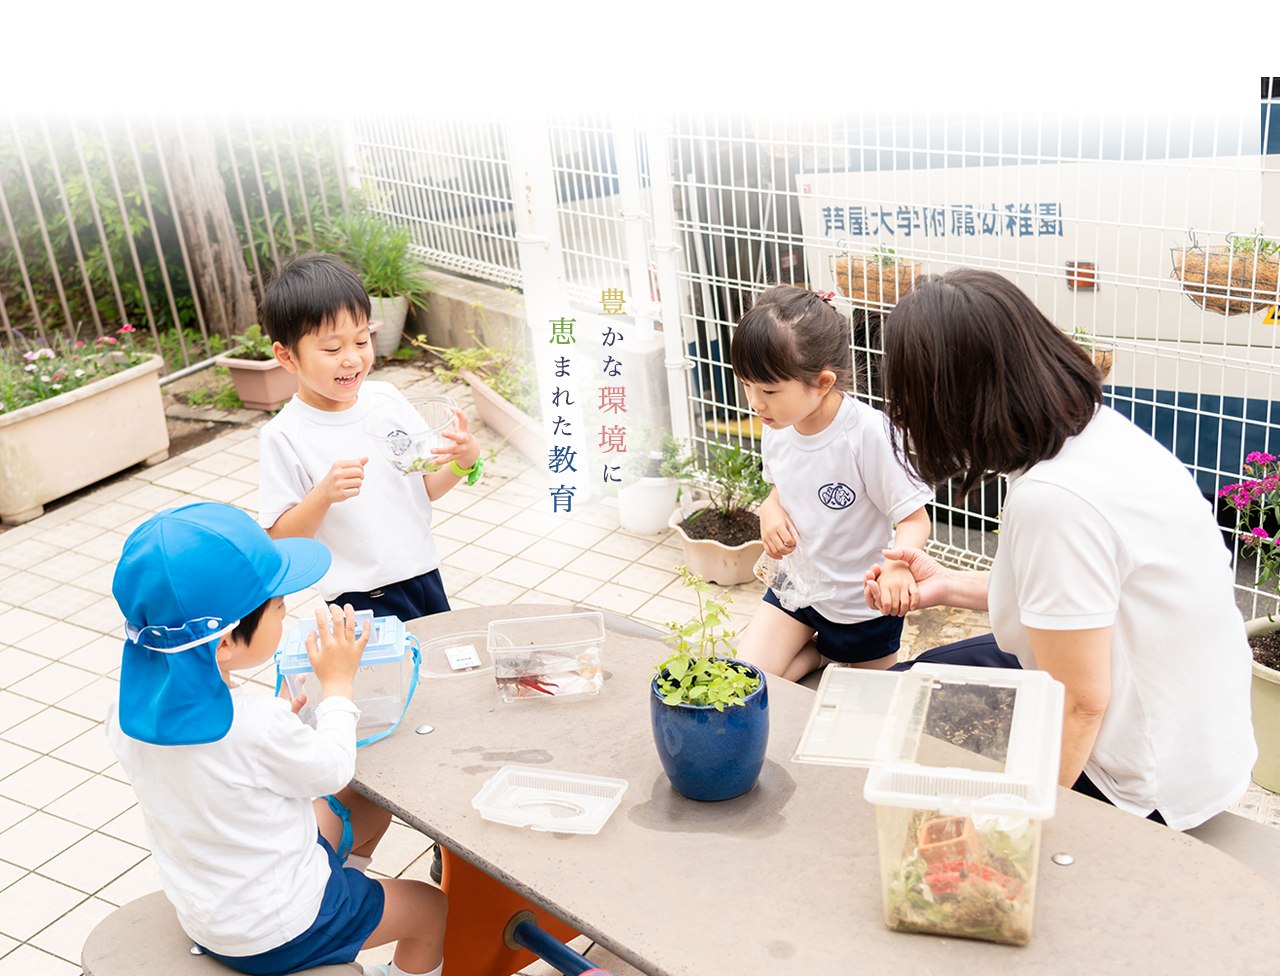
967 220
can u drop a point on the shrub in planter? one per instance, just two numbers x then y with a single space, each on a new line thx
503 387
380 254
709 714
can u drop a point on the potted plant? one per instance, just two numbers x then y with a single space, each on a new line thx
877 279
1257 504
503 388
1238 277
72 413
260 381
651 478
710 715
721 539
380 254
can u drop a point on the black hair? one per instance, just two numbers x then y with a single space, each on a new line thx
979 381
248 625
305 293
792 334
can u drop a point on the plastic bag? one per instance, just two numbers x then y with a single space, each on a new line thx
795 579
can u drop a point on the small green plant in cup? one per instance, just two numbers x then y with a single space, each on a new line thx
693 675
254 345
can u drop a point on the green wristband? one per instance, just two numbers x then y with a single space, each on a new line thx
472 474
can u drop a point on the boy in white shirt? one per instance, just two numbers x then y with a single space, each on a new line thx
323 476
226 778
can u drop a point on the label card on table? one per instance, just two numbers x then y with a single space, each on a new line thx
462 656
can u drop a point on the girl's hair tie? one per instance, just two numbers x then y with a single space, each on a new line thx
826 296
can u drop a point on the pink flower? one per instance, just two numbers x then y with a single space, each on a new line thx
77 345
126 328
31 368
44 379
1258 457
1261 533
45 353
110 339
28 356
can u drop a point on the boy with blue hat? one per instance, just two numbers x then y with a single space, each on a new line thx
226 778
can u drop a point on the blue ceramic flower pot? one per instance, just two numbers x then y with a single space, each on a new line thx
711 755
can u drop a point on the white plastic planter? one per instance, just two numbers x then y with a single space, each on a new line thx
714 561
391 312
645 506
62 444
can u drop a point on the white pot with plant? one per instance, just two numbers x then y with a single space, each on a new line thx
651 482
721 538
709 714
1257 503
72 413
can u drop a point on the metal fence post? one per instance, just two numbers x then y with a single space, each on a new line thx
541 255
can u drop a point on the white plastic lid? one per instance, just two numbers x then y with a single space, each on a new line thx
386 643
971 742
563 630
550 800
848 716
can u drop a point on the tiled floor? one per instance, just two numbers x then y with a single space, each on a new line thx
72 845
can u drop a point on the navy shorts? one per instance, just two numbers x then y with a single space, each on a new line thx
351 910
867 640
418 597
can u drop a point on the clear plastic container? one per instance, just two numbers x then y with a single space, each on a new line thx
548 657
966 772
408 429
545 799
380 683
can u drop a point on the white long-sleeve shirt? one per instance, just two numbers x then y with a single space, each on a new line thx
231 825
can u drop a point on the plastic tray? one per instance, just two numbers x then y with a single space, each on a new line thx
546 799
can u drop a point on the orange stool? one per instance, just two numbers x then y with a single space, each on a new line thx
479 910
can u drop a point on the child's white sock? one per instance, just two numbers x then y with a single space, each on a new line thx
357 861
373 970
397 971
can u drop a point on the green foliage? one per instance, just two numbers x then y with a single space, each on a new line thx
655 453
404 353
1252 244
886 256
1257 504
254 345
379 253
505 368
734 479
195 346
35 371
221 395
693 675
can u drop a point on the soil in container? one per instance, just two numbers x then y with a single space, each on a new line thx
730 530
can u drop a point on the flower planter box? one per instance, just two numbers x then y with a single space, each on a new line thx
1219 280
512 424
62 444
261 384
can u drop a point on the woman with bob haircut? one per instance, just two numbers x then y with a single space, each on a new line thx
1111 573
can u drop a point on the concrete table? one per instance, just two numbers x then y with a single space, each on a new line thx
786 878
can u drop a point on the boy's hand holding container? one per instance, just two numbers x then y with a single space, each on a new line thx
335 653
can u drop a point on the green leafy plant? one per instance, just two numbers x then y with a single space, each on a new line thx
505 368
1253 243
656 453
885 255
379 253
693 675
733 480
254 345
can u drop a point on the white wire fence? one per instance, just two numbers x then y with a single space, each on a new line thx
693 215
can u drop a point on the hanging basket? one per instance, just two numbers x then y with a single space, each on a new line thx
870 282
1217 279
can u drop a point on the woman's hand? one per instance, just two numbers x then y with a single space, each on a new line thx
932 581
